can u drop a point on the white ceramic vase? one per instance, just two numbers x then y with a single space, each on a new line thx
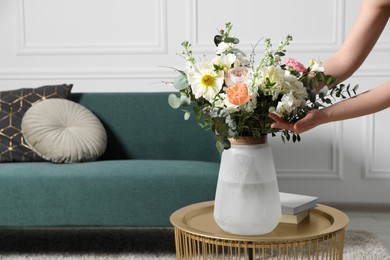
247 200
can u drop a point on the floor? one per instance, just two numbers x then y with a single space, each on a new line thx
377 222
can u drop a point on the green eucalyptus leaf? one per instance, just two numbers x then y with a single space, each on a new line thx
220 146
355 88
311 84
226 144
349 90
185 100
332 91
323 92
231 40
287 135
320 76
174 101
180 82
223 142
217 39
329 80
305 80
280 53
312 96
187 115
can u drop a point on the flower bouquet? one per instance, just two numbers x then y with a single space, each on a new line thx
232 94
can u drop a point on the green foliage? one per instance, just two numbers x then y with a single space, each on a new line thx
255 121
180 82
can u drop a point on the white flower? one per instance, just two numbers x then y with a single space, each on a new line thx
296 86
286 104
289 104
222 47
225 61
238 75
230 122
189 65
276 76
273 73
316 66
205 81
298 90
222 102
293 98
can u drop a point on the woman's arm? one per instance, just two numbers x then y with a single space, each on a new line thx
366 30
366 103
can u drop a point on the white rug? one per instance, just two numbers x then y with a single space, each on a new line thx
362 245
135 245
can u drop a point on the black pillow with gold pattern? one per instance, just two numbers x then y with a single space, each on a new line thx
13 106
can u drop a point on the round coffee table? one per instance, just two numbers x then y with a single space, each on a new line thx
320 236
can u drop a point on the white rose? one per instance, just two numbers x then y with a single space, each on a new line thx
237 75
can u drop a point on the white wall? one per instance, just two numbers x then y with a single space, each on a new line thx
121 45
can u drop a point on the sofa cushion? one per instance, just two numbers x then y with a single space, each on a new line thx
63 131
143 126
13 106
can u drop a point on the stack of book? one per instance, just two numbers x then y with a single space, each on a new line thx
296 207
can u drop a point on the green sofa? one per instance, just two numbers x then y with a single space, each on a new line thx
155 163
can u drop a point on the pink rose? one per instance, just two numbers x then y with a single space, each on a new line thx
237 75
295 65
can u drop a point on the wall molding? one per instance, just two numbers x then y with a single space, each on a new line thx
331 46
334 173
372 72
121 72
87 73
383 46
370 171
159 47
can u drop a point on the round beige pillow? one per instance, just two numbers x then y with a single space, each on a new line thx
63 131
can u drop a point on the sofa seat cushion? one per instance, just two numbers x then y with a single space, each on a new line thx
102 193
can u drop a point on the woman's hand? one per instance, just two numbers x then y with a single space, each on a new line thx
281 123
311 120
